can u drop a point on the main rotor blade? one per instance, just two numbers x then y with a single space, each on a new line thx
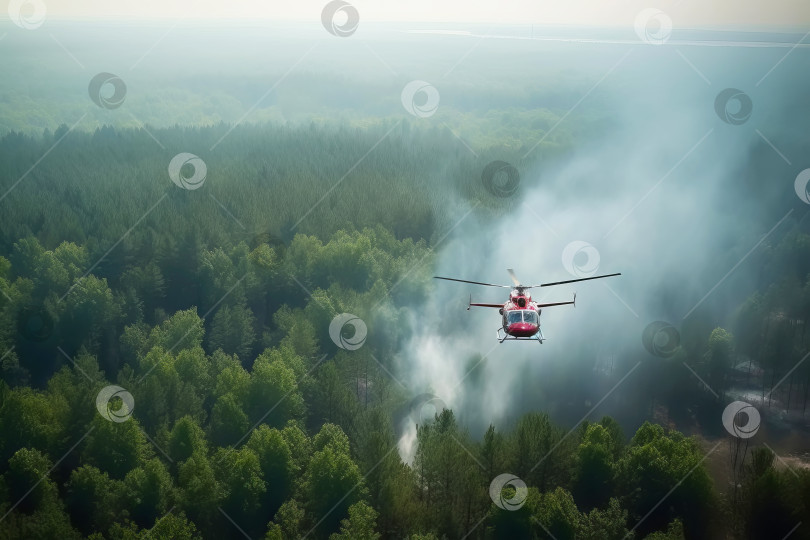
473 282
576 280
515 280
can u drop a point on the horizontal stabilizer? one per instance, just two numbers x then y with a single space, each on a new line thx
555 304
574 301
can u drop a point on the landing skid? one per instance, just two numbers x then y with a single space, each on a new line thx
503 336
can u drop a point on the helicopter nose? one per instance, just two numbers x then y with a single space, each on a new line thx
523 329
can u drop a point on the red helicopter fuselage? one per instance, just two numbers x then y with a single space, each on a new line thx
521 315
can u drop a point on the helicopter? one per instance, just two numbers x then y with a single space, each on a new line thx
521 315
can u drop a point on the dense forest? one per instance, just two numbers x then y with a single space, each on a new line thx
235 413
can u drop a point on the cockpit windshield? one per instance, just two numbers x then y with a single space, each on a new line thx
518 316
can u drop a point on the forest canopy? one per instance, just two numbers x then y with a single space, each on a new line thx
245 412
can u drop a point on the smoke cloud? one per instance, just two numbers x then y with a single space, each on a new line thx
667 193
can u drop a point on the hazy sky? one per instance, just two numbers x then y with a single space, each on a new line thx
684 13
